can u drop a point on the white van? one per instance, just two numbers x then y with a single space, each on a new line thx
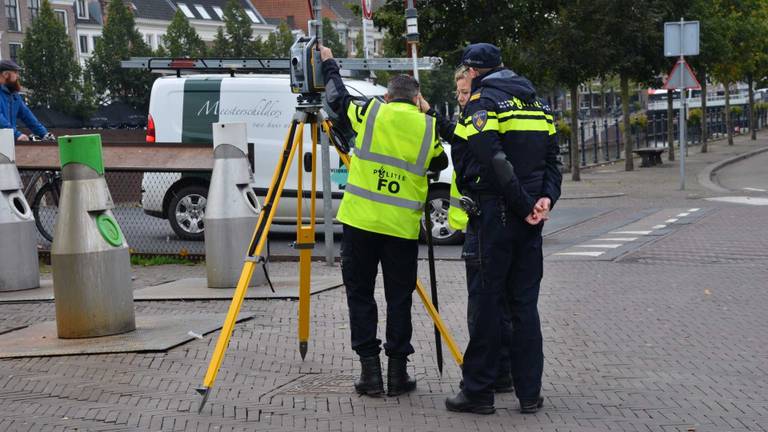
182 109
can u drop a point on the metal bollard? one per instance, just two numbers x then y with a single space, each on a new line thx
91 263
232 210
19 268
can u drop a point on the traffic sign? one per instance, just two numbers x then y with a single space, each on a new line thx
681 38
682 77
367 9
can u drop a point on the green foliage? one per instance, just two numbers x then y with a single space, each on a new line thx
563 128
332 40
220 46
238 31
638 122
51 70
761 106
120 40
359 45
694 116
181 39
278 43
737 110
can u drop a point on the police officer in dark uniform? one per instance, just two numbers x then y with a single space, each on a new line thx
506 157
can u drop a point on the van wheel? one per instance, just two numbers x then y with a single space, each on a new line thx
186 212
439 199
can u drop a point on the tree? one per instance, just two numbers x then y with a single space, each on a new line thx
575 49
51 69
181 39
120 40
220 46
278 43
636 52
238 30
332 40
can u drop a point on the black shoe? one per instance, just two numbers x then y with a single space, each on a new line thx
370 382
398 381
461 403
531 406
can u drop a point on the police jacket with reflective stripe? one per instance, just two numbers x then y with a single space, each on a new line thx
506 143
395 146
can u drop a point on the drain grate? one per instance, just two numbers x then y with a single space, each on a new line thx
321 383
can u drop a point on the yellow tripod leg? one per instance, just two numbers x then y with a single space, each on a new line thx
439 324
254 252
433 313
305 242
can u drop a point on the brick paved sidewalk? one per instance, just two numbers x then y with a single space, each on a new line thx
670 336
666 339
654 186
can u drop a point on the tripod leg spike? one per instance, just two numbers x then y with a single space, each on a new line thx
204 392
303 349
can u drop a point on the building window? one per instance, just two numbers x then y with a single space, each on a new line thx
82 9
34 8
96 40
219 12
13 51
252 16
185 9
12 12
160 40
84 44
61 15
203 13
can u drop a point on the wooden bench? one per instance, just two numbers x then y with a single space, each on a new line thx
650 156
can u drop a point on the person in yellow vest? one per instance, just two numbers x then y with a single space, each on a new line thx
381 213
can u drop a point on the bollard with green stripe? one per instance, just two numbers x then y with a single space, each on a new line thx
86 150
90 258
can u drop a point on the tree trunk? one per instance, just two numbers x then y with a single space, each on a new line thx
704 126
752 118
671 124
629 162
728 125
575 167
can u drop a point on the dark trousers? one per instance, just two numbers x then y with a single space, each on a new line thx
361 253
510 267
471 255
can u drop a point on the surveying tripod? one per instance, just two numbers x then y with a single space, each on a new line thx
308 112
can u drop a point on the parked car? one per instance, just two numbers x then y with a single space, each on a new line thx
182 109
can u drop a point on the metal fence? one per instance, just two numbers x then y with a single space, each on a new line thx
135 194
602 140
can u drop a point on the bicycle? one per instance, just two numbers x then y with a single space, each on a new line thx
45 200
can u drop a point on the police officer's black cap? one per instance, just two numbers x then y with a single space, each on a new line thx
481 56
9 65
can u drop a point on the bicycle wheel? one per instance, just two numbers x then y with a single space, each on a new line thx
45 208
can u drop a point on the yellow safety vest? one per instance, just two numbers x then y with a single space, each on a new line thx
387 184
457 217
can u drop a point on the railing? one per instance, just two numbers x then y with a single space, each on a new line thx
602 140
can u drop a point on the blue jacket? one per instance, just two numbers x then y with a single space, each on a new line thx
12 107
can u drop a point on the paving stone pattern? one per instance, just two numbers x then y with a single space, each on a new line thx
673 337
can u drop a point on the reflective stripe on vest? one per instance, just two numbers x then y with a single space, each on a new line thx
385 199
365 153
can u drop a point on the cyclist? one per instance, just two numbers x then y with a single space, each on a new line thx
12 106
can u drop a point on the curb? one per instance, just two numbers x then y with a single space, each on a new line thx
706 176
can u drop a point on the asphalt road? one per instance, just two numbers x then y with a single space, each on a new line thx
748 175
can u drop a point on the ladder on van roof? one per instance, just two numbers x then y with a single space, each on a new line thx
257 65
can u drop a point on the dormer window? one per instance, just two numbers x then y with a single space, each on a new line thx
185 9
